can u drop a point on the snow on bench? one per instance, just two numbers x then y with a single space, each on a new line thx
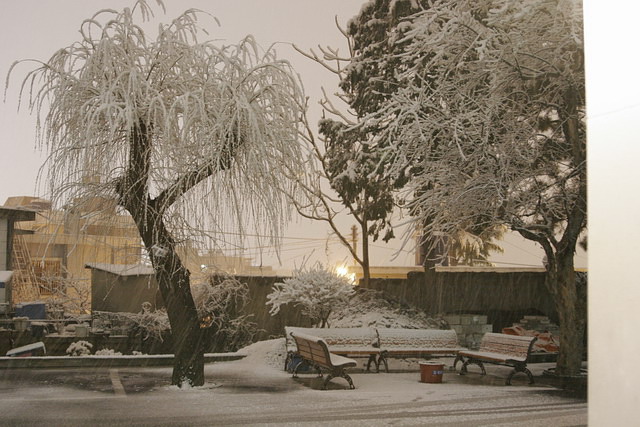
396 342
501 349
378 344
351 342
315 351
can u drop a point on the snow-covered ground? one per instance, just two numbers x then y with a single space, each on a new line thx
397 397
257 391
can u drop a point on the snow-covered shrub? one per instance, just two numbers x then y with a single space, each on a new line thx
71 296
148 324
372 308
108 352
219 302
79 348
317 292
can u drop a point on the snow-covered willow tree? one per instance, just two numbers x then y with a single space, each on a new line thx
492 120
177 130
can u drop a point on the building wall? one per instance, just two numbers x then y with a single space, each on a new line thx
73 241
114 293
60 243
4 244
202 264
503 296
271 326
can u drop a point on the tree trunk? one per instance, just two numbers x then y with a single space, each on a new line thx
571 295
366 269
174 283
570 299
171 275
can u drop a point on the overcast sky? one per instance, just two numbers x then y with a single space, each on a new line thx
36 28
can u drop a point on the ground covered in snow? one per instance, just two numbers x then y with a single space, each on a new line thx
257 391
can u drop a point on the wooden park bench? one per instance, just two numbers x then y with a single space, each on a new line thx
421 343
501 349
379 344
314 350
348 342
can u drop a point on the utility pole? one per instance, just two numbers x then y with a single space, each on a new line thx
354 242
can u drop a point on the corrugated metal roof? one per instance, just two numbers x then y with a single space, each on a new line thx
123 269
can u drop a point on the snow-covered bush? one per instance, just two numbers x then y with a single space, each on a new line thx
317 292
79 348
219 302
372 308
149 324
108 352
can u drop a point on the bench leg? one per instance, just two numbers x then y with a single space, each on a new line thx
340 373
520 368
295 370
287 359
372 359
463 369
382 359
458 359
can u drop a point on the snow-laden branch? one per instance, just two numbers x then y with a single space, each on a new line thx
220 119
492 120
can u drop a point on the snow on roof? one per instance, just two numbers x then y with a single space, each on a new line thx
122 269
5 276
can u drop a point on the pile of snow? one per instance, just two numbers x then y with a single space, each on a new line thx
271 353
370 308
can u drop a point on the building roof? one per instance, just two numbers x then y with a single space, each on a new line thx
19 214
5 276
123 269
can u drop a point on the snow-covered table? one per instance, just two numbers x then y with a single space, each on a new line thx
422 343
501 349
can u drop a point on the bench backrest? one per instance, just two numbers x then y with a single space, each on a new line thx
312 348
516 346
417 338
336 337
